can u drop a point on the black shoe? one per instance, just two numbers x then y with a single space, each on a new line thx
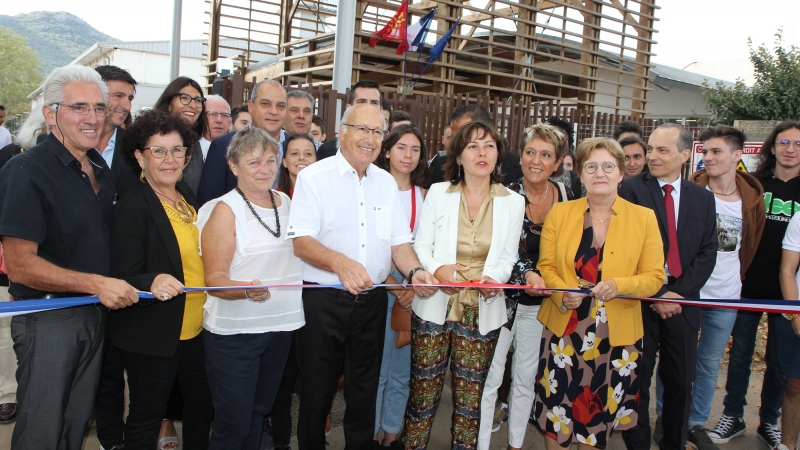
770 434
8 412
698 438
727 428
658 434
396 445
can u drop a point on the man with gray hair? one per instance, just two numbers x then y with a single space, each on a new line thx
267 106
218 115
60 247
300 112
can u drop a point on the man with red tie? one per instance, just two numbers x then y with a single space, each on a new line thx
687 219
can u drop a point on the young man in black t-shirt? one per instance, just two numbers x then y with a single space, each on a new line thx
779 174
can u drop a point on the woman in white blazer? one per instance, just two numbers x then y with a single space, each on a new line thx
469 231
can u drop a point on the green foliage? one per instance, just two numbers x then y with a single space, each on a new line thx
774 96
20 75
58 37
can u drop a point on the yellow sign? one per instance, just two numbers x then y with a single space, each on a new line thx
741 166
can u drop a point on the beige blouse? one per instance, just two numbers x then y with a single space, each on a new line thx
474 241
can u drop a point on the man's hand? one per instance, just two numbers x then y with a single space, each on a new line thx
536 282
572 300
116 294
667 310
353 276
423 277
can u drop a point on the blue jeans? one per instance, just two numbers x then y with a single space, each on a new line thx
741 355
393 382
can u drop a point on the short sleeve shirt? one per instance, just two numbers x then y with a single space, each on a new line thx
791 241
46 198
360 218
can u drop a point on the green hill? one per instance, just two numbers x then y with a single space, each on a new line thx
58 37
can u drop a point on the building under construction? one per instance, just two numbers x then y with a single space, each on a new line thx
586 55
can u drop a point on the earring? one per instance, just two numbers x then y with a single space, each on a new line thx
460 171
141 176
179 179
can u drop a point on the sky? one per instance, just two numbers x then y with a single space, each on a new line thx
689 30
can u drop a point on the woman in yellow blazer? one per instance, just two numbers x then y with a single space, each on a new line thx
587 381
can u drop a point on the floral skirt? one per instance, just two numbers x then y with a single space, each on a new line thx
585 388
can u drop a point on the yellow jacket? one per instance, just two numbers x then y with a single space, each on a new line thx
633 256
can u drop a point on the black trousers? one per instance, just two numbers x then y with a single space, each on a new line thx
151 378
675 340
110 404
281 414
340 327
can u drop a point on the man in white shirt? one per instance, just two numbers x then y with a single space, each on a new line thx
348 226
5 135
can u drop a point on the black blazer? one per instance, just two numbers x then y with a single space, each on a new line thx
124 177
697 233
143 245
216 179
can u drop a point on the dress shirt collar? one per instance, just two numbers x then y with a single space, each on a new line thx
344 165
67 158
675 184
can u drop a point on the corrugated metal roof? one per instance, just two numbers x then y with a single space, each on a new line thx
683 76
193 48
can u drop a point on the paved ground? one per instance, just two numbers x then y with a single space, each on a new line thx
441 435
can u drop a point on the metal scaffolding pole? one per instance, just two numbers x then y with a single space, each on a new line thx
175 42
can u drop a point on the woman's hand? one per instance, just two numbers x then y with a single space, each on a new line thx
165 286
572 300
536 282
605 290
257 295
489 293
796 325
405 297
444 275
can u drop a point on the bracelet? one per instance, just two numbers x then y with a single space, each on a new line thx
246 295
790 316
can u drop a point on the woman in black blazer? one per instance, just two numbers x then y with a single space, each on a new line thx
155 249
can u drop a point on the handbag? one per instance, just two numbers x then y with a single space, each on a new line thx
401 322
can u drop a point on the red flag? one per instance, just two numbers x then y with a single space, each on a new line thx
395 30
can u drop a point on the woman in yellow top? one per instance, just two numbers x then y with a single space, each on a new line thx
587 382
155 248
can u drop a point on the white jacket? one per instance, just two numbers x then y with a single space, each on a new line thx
436 244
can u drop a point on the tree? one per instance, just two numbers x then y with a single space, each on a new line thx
774 96
20 72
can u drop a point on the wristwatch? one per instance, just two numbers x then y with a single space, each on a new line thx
410 278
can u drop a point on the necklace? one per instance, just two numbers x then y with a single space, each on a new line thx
601 221
720 193
541 200
180 206
276 233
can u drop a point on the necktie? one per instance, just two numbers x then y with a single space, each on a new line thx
673 256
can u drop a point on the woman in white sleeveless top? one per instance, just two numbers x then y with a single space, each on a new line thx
248 332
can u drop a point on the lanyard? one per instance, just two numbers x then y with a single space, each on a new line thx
413 206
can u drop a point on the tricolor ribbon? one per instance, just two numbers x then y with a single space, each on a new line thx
8 309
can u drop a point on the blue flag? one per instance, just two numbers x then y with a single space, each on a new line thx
438 47
418 31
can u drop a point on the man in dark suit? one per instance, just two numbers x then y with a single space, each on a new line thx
267 106
461 116
687 218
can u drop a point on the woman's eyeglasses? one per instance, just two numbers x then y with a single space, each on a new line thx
186 99
608 167
161 152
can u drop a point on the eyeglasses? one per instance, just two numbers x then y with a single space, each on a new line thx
377 133
591 168
214 114
84 109
785 143
161 152
186 99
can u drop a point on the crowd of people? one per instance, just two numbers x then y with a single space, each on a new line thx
556 243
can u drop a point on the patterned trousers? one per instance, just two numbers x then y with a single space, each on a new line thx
470 355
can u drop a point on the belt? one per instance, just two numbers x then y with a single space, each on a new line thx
363 296
56 295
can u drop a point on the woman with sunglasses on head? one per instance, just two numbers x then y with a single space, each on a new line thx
155 247
469 231
587 384
183 97
403 155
